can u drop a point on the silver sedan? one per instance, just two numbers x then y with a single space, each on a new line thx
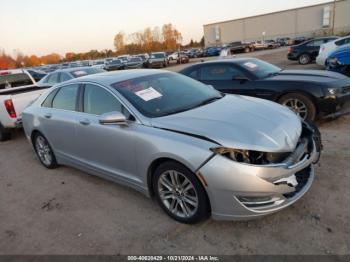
200 153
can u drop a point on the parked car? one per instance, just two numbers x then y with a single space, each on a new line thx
239 47
339 61
134 63
17 89
309 93
195 52
124 58
144 58
99 64
212 51
64 75
329 47
259 45
115 64
158 59
307 51
271 44
197 151
283 41
178 57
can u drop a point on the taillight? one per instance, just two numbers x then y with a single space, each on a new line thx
290 50
10 108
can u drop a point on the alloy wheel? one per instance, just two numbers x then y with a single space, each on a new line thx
297 106
178 194
304 59
44 151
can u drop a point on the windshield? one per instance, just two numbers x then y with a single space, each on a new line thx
115 62
135 59
259 68
86 71
159 55
165 93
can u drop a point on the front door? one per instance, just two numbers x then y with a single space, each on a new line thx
109 148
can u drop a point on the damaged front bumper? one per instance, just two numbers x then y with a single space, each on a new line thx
243 191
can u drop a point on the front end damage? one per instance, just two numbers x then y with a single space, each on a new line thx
246 184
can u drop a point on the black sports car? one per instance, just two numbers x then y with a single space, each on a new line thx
310 93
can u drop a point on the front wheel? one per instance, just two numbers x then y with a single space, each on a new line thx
179 193
44 151
300 104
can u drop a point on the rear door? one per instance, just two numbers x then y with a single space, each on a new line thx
58 119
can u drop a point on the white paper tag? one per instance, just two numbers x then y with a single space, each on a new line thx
251 65
148 94
79 73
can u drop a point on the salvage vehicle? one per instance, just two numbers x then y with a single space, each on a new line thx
157 60
309 93
328 48
17 89
307 51
339 61
197 151
63 75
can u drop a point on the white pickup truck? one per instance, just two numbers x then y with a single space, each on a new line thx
17 90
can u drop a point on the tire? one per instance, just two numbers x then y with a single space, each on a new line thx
346 70
304 59
5 134
179 199
246 50
300 101
44 151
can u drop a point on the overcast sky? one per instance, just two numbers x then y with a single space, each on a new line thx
46 26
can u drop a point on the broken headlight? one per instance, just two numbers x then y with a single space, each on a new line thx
250 156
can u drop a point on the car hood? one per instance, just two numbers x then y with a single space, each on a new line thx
239 122
320 76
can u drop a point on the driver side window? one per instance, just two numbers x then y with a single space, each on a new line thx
98 101
220 72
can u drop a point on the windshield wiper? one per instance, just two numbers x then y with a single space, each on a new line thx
205 102
273 74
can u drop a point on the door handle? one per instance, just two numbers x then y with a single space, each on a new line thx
84 122
48 115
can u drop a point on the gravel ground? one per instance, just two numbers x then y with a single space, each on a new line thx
65 211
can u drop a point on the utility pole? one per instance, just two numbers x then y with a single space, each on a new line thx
333 19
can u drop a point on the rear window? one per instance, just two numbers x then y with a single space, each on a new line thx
86 71
14 80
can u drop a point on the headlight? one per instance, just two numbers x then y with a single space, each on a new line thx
238 155
250 156
334 91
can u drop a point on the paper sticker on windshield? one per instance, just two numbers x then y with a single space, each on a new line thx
80 73
148 94
251 65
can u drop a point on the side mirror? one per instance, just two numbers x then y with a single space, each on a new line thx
113 118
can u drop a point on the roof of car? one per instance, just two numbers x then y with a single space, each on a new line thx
72 69
109 78
228 60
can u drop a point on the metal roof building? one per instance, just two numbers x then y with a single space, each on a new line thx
316 20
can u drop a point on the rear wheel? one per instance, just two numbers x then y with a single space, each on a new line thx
246 50
179 193
5 134
44 151
304 59
300 104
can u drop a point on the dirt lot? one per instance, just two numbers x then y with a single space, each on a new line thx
65 211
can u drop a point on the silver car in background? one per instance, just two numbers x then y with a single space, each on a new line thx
197 151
